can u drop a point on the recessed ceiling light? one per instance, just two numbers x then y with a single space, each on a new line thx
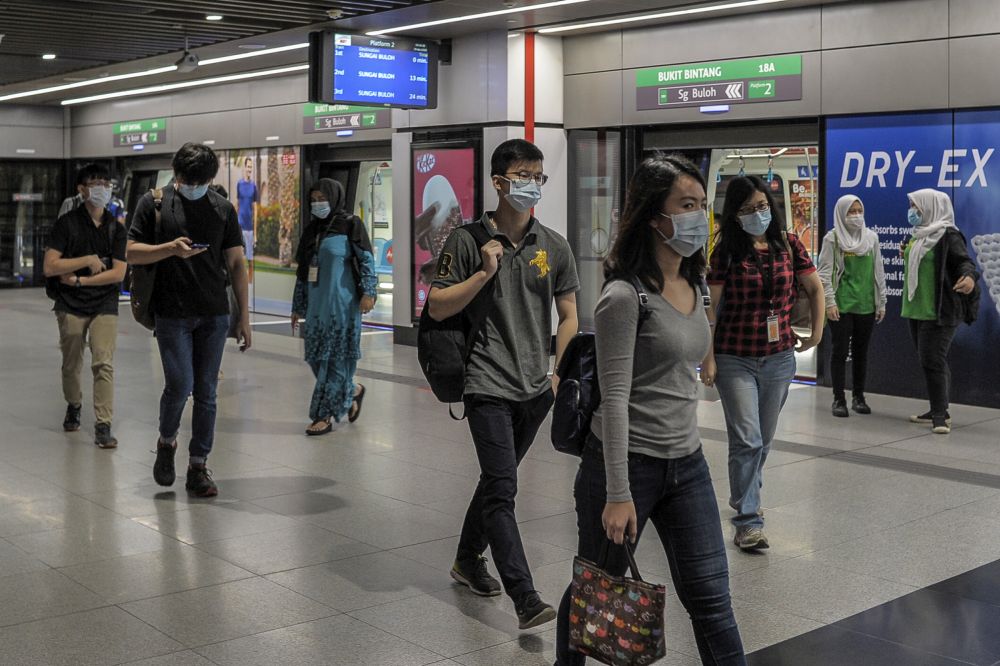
473 17
214 17
102 78
49 56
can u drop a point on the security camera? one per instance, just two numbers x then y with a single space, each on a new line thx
334 14
509 4
187 63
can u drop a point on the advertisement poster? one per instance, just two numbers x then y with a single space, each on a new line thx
882 158
276 177
244 193
802 200
444 197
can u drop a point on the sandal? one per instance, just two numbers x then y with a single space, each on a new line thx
316 433
358 400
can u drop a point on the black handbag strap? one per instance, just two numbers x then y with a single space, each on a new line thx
606 545
477 315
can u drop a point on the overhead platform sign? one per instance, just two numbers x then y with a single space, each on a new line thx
337 117
745 81
140 132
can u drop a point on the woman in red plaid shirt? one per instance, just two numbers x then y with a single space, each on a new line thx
753 273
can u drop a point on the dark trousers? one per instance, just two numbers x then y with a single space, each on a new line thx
678 498
503 431
851 334
933 342
191 353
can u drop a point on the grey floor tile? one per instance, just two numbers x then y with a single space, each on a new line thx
96 637
405 525
227 611
762 625
364 581
43 594
183 658
335 641
175 568
442 627
292 548
795 586
527 650
440 554
151 499
16 562
101 540
49 514
212 522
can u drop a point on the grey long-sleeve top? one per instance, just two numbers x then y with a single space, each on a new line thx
649 383
831 268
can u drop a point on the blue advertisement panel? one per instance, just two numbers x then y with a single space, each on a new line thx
882 158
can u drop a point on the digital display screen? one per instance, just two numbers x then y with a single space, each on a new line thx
373 71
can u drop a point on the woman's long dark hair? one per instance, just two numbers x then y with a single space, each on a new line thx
634 251
731 241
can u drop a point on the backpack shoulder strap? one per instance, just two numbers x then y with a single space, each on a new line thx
640 292
157 195
478 232
706 294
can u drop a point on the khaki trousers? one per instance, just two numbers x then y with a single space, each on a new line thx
102 332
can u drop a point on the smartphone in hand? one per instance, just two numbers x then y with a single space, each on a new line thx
198 246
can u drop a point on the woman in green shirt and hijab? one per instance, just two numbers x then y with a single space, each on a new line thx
853 277
938 274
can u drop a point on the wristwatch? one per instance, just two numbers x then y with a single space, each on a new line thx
77 281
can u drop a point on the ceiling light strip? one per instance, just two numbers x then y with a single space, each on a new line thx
88 82
473 17
253 54
149 72
661 15
185 84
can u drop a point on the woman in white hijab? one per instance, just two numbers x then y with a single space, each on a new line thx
853 277
938 273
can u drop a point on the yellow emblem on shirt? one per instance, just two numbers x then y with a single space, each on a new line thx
541 260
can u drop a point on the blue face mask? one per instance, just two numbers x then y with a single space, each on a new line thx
913 217
690 232
756 223
523 198
192 192
320 209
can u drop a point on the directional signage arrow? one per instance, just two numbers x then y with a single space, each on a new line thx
356 120
735 91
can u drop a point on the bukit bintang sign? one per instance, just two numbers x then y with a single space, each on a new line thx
746 81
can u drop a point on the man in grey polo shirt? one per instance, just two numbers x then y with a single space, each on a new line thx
507 389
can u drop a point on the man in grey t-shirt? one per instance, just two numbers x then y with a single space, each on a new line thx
507 390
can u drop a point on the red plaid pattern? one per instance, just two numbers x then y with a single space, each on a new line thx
742 324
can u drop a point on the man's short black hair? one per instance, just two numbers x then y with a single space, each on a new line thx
92 171
195 163
511 152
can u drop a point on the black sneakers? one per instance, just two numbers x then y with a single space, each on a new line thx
71 423
840 408
940 425
163 468
473 574
532 611
859 405
103 438
927 418
200 483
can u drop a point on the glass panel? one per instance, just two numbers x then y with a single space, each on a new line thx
594 206
373 204
30 196
278 226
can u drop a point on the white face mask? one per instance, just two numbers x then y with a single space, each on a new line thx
690 232
855 221
99 196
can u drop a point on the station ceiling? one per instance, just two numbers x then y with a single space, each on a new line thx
100 38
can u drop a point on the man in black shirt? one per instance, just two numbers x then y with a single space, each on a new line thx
85 260
197 248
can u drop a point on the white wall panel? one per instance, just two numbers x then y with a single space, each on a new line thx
864 24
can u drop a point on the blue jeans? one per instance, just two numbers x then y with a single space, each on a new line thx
191 353
677 497
503 431
753 391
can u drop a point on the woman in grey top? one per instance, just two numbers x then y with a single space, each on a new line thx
643 459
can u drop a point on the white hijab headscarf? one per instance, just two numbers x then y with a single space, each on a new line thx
851 238
936 216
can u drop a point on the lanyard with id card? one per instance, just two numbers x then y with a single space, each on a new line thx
767 279
314 269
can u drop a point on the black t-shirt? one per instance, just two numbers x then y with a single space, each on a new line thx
194 287
75 235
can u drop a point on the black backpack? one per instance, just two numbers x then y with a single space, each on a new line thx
579 389
443 347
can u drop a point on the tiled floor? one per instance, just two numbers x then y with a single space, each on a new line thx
335 550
